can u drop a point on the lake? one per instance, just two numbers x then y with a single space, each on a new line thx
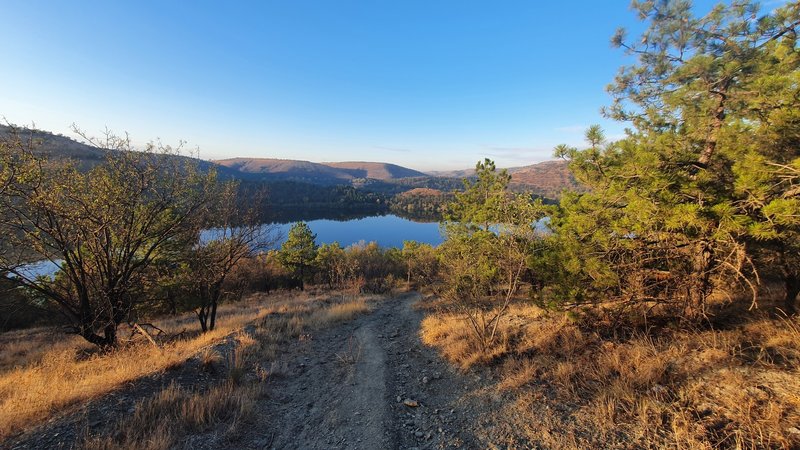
387 231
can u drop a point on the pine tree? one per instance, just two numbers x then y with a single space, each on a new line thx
299 251
670 205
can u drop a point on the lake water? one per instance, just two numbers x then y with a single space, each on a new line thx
387 231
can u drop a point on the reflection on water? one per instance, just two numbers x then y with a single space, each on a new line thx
387 231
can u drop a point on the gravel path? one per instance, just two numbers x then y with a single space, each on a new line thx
364 384
356 385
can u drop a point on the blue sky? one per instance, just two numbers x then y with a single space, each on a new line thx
425 84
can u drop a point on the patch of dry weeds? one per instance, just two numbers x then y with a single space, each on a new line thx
572 388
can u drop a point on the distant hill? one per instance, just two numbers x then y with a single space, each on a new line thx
463 173
59 147
287 169
546 179
378 171
324 173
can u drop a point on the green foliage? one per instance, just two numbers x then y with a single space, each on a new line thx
674 208
490 234
359 268
299 251
421 263
104 226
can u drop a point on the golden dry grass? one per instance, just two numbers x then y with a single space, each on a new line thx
572 388
451 334
157 423
39 383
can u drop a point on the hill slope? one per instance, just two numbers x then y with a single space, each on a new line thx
60 147
376 170
287 169
334 172
547 179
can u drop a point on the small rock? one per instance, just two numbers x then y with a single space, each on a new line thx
418 434
410 403
425 380
399 399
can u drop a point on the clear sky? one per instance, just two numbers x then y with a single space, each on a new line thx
427 84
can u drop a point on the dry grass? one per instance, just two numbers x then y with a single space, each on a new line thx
452 335
159 422
340 312
39 383
572 388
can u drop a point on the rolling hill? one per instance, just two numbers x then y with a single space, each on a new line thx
546 179
377 171
323 173
59 147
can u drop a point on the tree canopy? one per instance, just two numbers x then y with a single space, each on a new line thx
703 185
299 250
102 227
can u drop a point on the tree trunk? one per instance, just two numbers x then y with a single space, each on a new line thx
173 304
302 278
202 316
791 280
213 315
96 339
701 281
792 284
716 124
110 334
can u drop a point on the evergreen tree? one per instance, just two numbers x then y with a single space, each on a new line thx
672 208
299 251
490 233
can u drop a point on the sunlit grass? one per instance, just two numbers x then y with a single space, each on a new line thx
571 387
44 373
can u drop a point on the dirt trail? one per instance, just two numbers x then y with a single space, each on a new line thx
342 387
345 386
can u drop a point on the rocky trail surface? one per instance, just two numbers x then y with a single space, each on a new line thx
367 384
